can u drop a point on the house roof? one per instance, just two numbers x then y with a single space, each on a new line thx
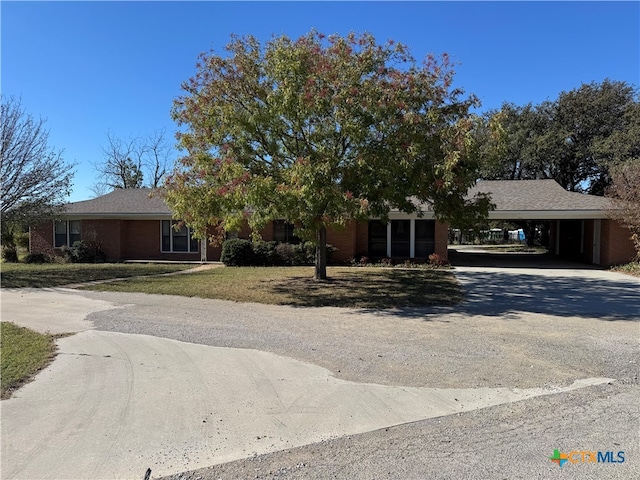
122 203
539 200
514 200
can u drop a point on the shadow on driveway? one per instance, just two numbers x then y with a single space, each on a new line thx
559 293
499 284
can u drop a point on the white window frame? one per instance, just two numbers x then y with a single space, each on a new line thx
172 231
67 226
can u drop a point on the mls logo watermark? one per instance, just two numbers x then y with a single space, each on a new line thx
585 456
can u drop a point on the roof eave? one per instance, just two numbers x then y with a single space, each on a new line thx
547 214
118 216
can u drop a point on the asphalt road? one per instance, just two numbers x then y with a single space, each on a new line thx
516 346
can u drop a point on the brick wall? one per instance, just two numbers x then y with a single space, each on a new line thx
616 245
442 239
107 234
141 240
362 238
41 239
344 240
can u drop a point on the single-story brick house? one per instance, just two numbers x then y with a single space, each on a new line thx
134 224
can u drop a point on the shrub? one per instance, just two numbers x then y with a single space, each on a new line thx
286 254
82 252
237 252
9 253
304 253
37 258
264 254
435 259
386 262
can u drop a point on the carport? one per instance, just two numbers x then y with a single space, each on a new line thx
579 227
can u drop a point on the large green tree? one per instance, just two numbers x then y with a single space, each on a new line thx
318 131
568 139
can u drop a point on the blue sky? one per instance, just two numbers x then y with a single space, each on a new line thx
93 67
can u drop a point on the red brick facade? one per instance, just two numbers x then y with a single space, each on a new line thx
616 245
141 240
119 239
579 240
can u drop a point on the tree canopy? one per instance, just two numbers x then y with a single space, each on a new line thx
571 139
318 131
35 177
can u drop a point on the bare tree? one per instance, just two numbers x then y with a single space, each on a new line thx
35 178
122 166
156 157
128 162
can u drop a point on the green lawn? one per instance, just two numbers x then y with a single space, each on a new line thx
373 287
17 275
513 248
23 353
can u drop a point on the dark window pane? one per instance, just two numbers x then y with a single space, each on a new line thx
279 231
377 239
60 235
193 247
60 240
180 244
425 238
283 232
180 239
400 238
166 235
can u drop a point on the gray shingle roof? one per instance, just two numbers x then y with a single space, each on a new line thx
520 198
536 195
122 203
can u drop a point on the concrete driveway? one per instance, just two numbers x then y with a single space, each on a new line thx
177 384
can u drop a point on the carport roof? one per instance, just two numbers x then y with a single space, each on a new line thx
539 200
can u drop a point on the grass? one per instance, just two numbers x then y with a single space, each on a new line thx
513 248
347 286
632 268
18 275
23 353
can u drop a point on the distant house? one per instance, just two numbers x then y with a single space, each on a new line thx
135 224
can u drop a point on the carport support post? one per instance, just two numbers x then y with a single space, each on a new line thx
557 242
597 231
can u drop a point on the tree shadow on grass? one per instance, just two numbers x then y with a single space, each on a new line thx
372 289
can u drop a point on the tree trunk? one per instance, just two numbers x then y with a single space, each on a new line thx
321 254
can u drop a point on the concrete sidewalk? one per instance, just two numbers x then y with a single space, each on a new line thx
112 405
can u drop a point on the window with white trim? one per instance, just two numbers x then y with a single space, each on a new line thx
177 239
283 232
66 232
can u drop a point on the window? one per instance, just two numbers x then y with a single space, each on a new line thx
177 240
66 232
425 238
400 238
377 239
283 232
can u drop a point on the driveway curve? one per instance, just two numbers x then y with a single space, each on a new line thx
174 384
